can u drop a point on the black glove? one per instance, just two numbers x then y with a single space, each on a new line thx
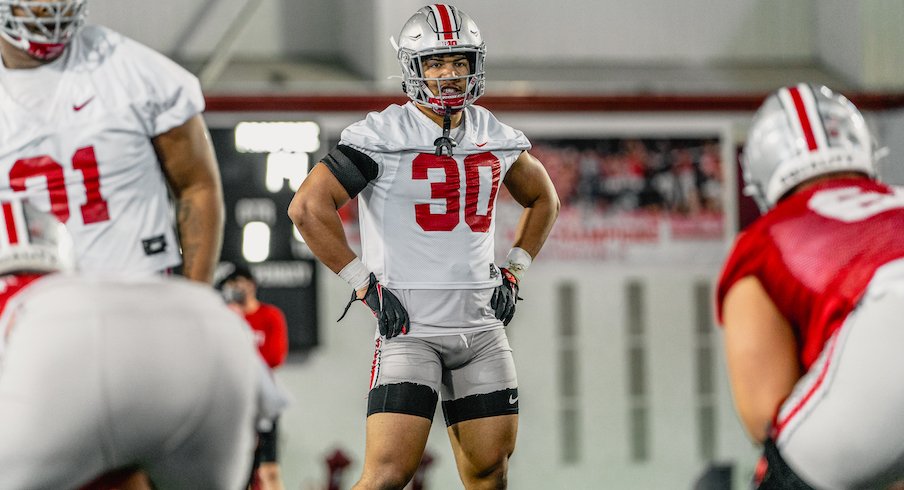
505 296
391 315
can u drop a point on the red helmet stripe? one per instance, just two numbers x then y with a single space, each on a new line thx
804 119
10 220
446 17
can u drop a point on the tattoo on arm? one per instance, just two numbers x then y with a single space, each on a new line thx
186 219
200 249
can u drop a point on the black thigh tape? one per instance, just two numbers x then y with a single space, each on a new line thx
407 398
502 402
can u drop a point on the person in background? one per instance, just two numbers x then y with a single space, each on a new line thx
427 174
100 130
268 322
812 299
117 383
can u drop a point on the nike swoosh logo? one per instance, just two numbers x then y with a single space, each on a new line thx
481 145
414 38
81 106
513 399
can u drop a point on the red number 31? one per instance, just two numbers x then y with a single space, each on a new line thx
450 190
95 208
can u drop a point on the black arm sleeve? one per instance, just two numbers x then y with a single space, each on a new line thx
352 168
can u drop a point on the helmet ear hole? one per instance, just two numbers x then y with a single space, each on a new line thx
472 61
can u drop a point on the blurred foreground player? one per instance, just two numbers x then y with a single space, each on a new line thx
427 175
812 299
106 377
268 323
99 130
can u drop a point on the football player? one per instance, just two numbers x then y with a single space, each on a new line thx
812 298
95 128
427 175
102 379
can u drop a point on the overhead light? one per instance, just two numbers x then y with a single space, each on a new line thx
272 137
256 241
283 166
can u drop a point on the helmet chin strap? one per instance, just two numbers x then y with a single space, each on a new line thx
445 142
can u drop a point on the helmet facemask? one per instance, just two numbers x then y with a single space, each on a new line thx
441 30
417 85
42 29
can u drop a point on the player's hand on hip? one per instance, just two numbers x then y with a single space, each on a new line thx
392 318
505 296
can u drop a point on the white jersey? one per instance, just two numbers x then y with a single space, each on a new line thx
427 221
75 138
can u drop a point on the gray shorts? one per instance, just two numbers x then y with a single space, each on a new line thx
474 373
840 426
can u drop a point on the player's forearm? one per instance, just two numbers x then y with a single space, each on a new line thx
536 223
321 228
200 220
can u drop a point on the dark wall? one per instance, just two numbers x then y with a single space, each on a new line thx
287 278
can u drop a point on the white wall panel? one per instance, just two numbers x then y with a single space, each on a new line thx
357 25
858 40
162 24
687 31
891 135
691 31
883 44
839 32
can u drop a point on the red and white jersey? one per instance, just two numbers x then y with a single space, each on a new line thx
816 252
427 221
75 138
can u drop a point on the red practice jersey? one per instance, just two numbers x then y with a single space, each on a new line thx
271 333
815 253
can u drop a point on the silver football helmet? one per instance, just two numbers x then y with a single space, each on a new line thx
440 29
802 132
32 240
41 28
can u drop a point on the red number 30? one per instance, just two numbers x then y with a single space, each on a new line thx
450 190
95 208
